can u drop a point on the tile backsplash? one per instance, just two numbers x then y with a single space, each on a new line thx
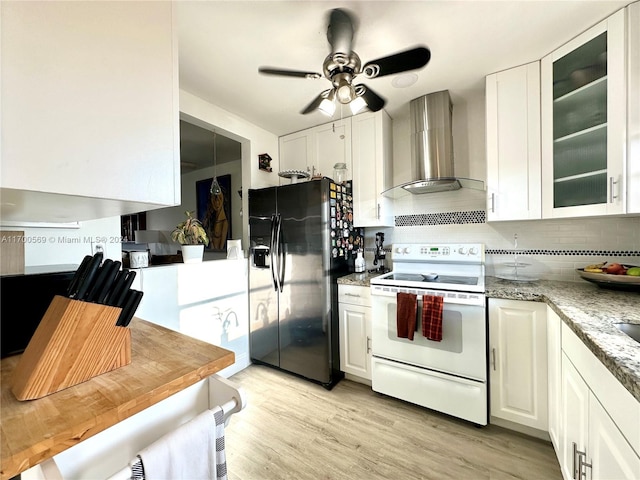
552 249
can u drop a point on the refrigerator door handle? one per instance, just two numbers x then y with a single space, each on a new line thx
272 245
280 253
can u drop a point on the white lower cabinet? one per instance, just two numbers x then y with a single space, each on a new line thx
599 429
518 362
355 330
574 412
554 376
611 455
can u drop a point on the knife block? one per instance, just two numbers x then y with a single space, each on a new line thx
74 342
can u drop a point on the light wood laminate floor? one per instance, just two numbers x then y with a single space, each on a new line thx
294 429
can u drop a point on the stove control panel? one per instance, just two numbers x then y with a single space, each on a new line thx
445 252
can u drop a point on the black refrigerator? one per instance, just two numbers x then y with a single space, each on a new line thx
301 240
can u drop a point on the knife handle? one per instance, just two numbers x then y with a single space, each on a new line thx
75 281
118 283
87 279
99 280
107 285
131 305
119 301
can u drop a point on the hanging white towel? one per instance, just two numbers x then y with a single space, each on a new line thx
194 451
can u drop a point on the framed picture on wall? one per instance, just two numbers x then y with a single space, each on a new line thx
214 211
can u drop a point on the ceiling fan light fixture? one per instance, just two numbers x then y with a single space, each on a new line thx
328 105
345 92
357 105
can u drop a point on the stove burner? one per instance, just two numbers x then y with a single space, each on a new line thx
431 278
414 277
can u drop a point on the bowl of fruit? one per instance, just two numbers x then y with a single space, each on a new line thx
612 275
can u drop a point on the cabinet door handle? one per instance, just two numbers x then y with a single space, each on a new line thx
612 184
493 358
493 203
578 464
368 344
378 213
582 465
351 295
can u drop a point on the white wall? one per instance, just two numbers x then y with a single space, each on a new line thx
68 246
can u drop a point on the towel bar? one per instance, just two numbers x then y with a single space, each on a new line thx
222 393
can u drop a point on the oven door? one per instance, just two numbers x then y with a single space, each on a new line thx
462 351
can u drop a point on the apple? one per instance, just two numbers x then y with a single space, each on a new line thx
615 269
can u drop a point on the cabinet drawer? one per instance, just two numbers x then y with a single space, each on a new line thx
354 294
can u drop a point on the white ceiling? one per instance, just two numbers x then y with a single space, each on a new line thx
222 44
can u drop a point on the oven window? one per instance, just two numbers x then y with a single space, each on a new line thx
452 336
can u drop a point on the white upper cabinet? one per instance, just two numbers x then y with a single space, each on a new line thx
316 150
633 112
513 144
372 169
295 152
332 145
89 109
584 99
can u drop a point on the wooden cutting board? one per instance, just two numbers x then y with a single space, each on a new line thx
11 252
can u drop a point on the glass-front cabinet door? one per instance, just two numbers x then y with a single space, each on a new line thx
583 123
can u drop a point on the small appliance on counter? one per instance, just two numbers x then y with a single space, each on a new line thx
380 255
139 259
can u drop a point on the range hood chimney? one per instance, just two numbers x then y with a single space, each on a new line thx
432 147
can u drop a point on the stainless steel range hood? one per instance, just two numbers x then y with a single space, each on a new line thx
432 148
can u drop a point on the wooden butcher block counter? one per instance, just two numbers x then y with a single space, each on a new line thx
163 362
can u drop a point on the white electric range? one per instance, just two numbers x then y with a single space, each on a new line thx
450 375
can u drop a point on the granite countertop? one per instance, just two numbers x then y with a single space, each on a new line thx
358 279
590 311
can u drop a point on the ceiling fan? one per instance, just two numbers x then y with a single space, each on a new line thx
343 65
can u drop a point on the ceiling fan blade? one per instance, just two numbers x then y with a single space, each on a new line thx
400 62
374 101
288 73
340 31
314 104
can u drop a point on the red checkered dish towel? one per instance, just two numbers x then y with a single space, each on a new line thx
432 317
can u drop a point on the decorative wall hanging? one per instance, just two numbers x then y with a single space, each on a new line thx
264 162
214 211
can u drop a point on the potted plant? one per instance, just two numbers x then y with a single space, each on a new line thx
192 236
